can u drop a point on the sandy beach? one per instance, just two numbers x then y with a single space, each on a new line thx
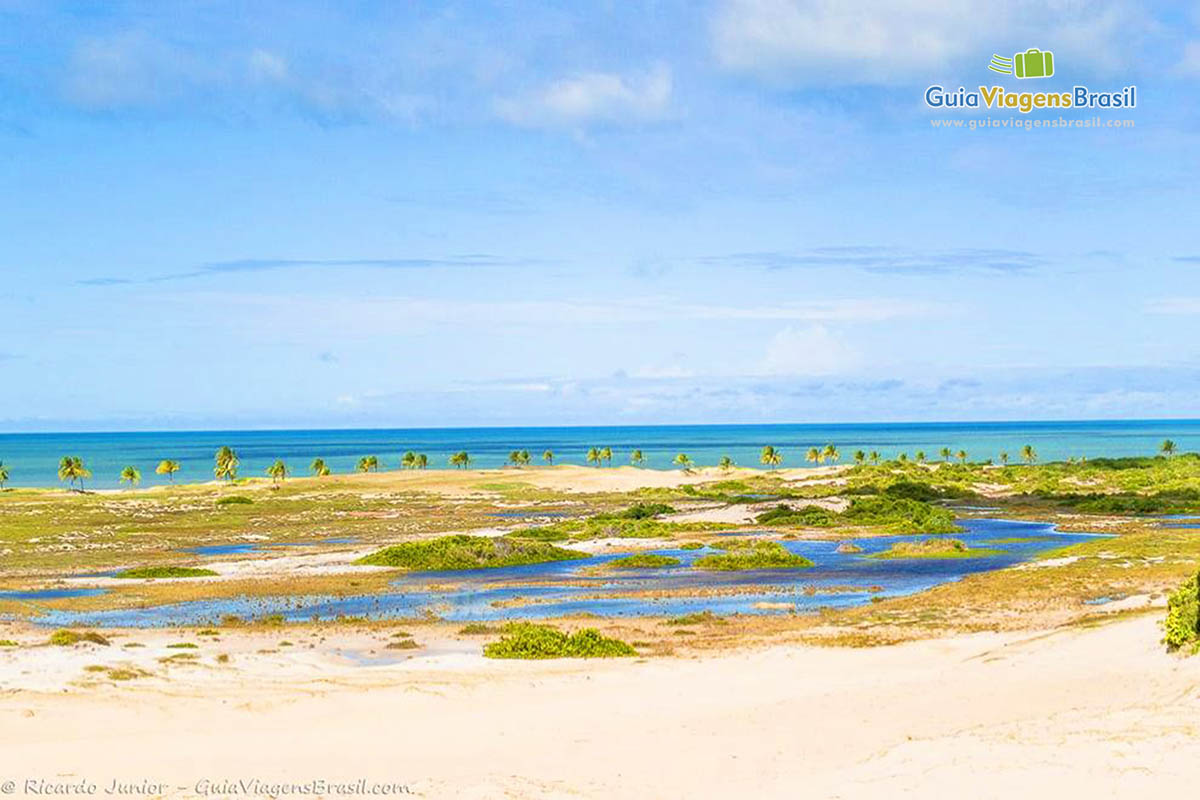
1100 712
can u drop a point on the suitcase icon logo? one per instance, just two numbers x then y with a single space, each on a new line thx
1033 63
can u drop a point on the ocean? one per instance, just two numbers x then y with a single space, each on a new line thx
32 458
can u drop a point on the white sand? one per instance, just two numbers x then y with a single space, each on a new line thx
1091 713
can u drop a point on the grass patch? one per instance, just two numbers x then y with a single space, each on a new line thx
182 646
753 555
933 548
691 546
165 572
477 629
644 561
468 552
402 644
234 500
1183 616
531 641
639 511
67 638
699 618
8 643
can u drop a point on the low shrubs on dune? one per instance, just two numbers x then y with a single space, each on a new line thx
532 641
234 500
899 514
753 555
1183 616
165 572
67 638
932 548
461 551
644 561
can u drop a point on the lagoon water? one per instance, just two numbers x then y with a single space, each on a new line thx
837 580
32 458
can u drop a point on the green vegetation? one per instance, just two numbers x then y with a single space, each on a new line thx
8 643
892 513
368 464
319 468
182 646
72 470
477 629
932 548
691 546
3 475
131 475
757 554
468 552
167 467
225 464
67 638
637 458
461 459
1183 616
531 641
402 644
698 618
277 472
770 457
644 561
234 500
638 511
165 572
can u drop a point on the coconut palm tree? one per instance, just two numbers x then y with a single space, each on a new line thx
514 458
1028 454
548 457
606 454
920 456
682 460
368 464
726 463
131 475
319 467
422 461
770 456
636 458
3 475
226 464
831 453
277 472
902 458
944 453
408 460
961 455
859 457
460 459
1167 448
1004 458
167 467
814 456
526 458
594 457
71 468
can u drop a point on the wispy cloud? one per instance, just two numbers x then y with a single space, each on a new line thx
1187 259
103 282
888 260
1174 305
592 97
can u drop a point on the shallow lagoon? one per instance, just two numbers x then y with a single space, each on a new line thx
561 588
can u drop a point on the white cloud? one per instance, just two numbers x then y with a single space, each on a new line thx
1189 62
824 42
811 351
593 97
1174 305
266 66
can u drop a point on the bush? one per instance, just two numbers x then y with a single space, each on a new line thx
640 511
234 500
644 561
809 516
66 638
468 552
932 548
532 641
753 555
1183 615
166 572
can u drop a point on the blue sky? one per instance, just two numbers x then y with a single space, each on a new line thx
409 214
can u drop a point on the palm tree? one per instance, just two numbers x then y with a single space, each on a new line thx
526 458
3 475
682 460
460 459
131 475
409 460
1167 448
874 456
167 467
71 468
422 461
859 457
368 464
319 467
593 456
814 455
961 455
770 456
944 453
902 458
1004 458
606 454
1028 454
514 458
548 457
920 456
830 453
636 458
226 466
277 472
726 463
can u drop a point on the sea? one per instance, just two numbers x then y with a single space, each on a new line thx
32 458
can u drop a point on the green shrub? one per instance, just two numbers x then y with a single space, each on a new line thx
477 629
644 561
692 619
640 511
530 640
753 555
8 643
166 572
691 546
66 638
932 548
468 552
234 500
1183 615
808 516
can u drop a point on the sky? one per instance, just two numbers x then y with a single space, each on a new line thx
300 214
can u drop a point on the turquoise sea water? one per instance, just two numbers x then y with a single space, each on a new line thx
32 458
